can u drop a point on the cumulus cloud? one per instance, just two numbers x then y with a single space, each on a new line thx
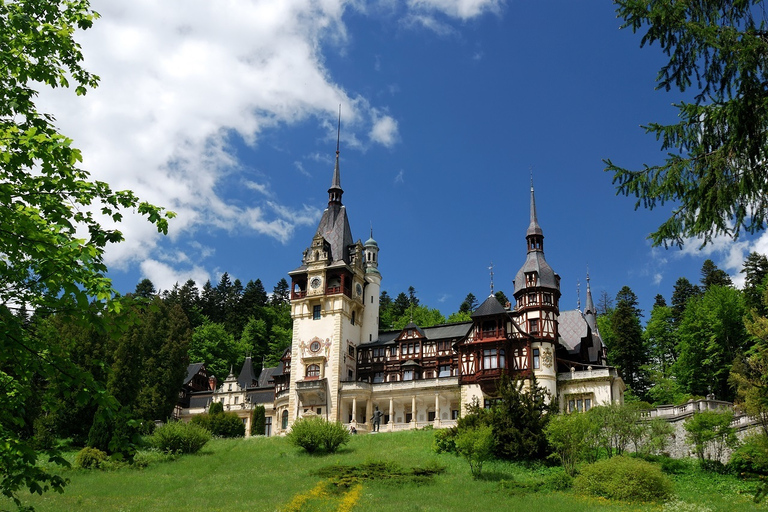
164 276
181 78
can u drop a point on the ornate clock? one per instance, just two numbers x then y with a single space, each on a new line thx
315 282
359 289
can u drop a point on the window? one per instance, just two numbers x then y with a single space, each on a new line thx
351 350
502 358
236 399
408 375
490 402
353 318
532 298
230 387
547 298
536 359
455 414
313 370
268 426
393 352
490 360
580 403
378 377
285 420
316 312
319 411
587 404
533 326
445 371
430 415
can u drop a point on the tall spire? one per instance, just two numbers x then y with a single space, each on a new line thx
534 235
335 192
590 308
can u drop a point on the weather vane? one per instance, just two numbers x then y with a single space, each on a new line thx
491 269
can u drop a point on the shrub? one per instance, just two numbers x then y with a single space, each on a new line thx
222 424
623 478
751 458
710 432
568 434
90 458
258 421
315 434
180 437
215 408
445 440
476 445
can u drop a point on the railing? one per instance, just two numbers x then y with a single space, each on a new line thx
298 295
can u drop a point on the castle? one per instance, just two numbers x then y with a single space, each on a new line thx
342 367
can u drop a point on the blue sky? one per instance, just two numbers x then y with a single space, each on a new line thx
226 113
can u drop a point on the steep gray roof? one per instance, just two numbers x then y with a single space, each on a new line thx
247 377
334 227
572 328
192 370
491 306
535 262
267 375
533 227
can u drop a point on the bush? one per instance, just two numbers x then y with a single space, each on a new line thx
315 433
258 421
215 408
445 440
476 445
90 458
222 424
623 478
180 437
751 458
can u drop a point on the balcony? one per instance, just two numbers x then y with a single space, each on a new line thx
312 391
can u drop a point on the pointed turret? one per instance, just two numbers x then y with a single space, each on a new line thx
590 314
536 272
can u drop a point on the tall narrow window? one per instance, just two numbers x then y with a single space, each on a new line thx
316 312
536 358
490 360
533 326
353 318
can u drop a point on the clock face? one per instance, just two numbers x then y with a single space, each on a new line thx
359 289
315 282
315 346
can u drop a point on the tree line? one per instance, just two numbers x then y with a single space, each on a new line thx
708 340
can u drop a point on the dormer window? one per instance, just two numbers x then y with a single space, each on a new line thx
530 279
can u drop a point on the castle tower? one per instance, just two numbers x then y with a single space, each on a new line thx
334 306
537 297
372 290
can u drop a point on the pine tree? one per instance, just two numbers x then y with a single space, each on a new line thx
756 271
713 276
682 293
627 350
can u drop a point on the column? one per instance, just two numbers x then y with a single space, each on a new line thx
391 424
437 410
413 411
354 411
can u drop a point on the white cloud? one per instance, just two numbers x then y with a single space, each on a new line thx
180 78
384 130
164 276
727 253
399 178
462 9
430 23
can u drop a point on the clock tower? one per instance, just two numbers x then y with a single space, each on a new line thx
335 308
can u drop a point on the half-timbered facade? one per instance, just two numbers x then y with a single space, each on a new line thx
341 367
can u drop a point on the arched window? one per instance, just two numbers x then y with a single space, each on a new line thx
285 420
313 370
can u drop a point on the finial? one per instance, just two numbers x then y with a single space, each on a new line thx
371 229
491 269
578 295
338 131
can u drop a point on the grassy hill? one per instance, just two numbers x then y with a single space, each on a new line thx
268 474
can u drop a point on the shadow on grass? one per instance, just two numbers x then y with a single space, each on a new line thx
494 476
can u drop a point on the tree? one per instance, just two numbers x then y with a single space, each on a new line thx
626 347
422 316
681 294
604 304
568 435
145 289
469 304
756 271
715 166
258 421
476 445
502 298
213 345
710 433
51 241
713 276
413 301
661 339
711 335
281 293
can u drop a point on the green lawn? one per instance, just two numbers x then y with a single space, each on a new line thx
268 474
